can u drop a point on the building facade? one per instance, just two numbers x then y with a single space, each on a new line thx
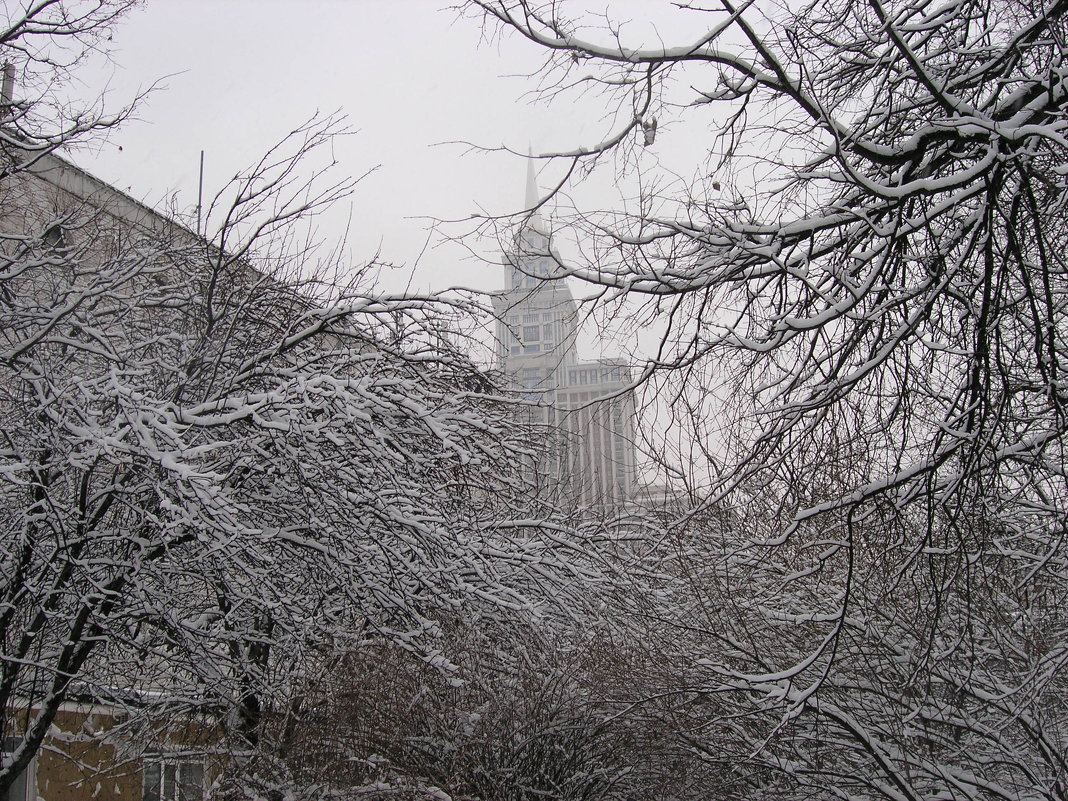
92 750
586 407
89 755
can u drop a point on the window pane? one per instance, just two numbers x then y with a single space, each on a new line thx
152 781
17 791
191 787
169 783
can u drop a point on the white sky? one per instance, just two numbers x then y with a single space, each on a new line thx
234 76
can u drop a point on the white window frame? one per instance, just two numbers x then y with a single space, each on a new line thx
162 777
28 778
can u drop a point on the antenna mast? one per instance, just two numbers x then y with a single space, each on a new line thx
200 193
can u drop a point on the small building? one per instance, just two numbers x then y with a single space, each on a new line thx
100 752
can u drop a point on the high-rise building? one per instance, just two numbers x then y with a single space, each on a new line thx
587 407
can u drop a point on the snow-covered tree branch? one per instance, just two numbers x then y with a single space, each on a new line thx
870 265
213 477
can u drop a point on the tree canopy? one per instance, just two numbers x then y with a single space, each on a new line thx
870 267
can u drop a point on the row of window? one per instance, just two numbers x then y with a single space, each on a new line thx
532 333
602 375
534 272
533 376
535 338
165 778
530 377
513 319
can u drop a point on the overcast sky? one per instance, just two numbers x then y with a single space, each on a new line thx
234 76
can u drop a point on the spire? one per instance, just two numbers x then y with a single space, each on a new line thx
533 236
533 196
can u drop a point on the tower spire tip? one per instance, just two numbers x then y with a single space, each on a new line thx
533 197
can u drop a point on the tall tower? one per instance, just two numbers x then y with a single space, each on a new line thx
586 404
